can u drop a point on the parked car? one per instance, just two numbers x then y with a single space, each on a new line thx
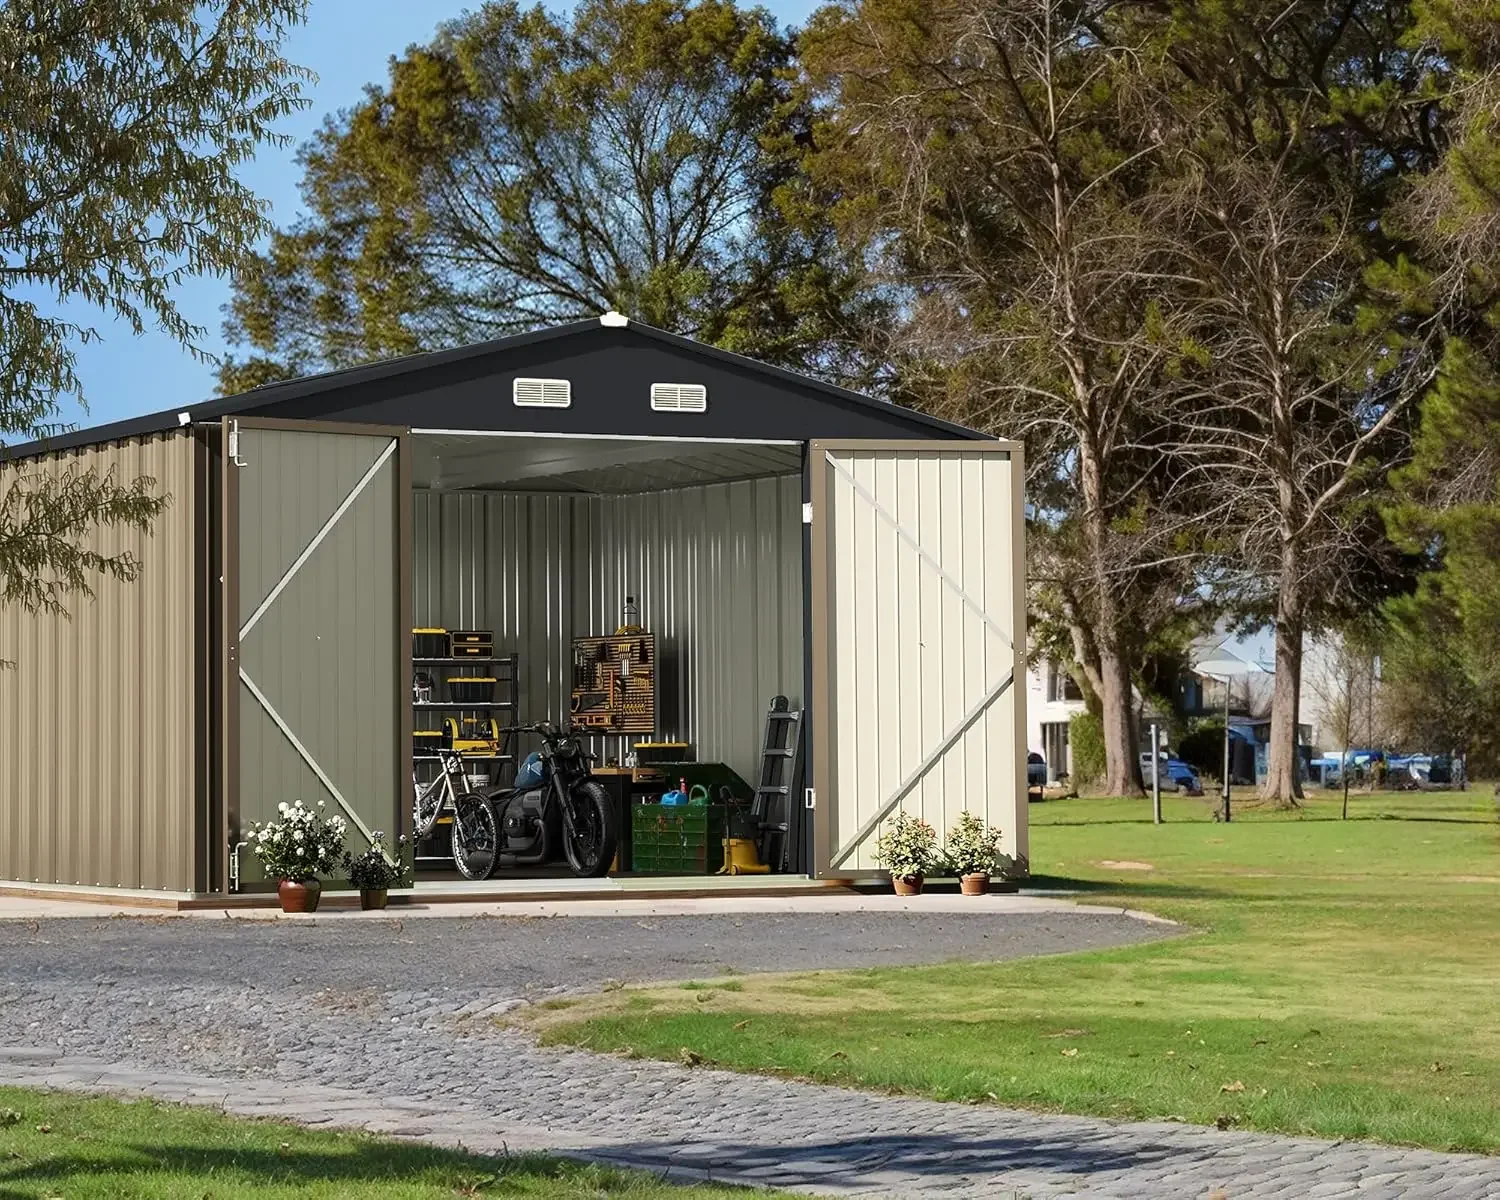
1176 775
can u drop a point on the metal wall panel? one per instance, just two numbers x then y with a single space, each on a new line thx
716 571
921 569
97 718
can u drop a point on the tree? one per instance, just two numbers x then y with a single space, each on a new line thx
991 159
1295 412
1440 679
124 123
1343 675
1443 666
1299 125
519 171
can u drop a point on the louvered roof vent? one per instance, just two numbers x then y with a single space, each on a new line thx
542 393
679 397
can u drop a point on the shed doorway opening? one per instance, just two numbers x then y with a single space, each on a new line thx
650 591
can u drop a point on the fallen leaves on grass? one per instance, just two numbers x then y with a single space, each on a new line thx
1069 1033
740 1024
1225 1121
1070 1052
690 1058
9 1116
1236 1086
44 1129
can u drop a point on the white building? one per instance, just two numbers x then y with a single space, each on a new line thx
1052 699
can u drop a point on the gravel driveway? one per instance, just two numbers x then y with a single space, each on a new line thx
381 1025
523 958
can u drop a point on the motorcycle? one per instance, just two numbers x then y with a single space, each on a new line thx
555 797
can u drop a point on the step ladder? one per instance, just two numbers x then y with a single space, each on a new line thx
776 790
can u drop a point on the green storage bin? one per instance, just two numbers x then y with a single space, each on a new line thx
677 839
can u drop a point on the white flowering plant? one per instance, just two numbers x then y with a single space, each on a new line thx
301 843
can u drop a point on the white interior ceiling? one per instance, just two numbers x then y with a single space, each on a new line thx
614 466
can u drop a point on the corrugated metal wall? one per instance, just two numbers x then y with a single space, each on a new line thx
924 629
716 570
97 719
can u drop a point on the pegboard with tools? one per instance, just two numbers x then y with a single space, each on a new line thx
615 683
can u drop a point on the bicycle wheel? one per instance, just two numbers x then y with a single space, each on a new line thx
590 842
476 839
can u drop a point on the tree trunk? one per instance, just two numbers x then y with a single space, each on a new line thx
1122 764
1283 779
1122 769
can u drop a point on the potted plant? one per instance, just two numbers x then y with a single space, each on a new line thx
973 850
295 849
907 848
375 872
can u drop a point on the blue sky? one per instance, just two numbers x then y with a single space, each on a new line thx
348 43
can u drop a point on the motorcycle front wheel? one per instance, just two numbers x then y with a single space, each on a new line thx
589 834
476 838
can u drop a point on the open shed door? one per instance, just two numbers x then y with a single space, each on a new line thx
317 663
918 623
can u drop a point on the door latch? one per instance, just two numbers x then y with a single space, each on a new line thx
234 445
810 797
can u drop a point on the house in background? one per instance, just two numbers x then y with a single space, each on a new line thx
1053 698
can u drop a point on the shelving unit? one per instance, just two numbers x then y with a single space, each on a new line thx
501 763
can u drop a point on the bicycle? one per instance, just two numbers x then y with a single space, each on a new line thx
475 839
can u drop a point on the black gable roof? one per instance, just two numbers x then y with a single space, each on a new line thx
611 369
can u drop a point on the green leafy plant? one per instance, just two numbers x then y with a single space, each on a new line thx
1086 738
908 845
973 848
302 844
376 870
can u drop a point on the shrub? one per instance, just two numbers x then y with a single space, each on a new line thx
1086 740
973 848
1203 747
374 870
908 846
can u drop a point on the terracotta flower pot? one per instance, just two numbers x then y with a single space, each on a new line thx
370 898
299 895
907 885
977 884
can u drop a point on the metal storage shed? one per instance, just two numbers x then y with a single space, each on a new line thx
784 536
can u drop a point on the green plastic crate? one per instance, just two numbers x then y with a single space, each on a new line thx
680 839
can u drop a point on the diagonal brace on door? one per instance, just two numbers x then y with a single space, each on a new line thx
910 782
317 540
286 731
901 532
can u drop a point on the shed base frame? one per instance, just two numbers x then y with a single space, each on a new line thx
656 887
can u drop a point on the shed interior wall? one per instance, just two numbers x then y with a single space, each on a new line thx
715 569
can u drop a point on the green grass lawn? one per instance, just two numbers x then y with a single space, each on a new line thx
60 1146
1342 978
